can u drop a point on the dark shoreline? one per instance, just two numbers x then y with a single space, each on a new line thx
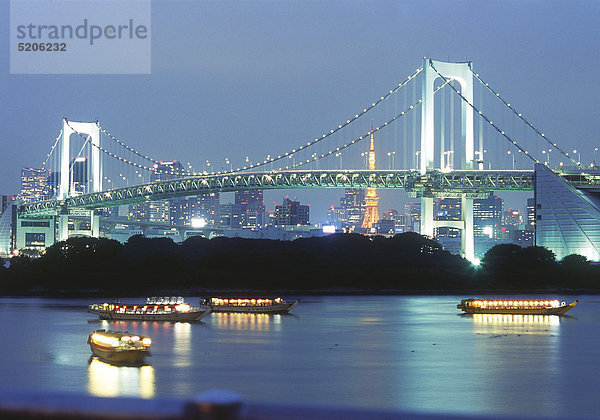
342 264
81 294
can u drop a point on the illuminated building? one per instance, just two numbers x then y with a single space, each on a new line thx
160 211
153 211
207 207
79 175
252 208
386 227
34 184
353 205
167 170
371 200
336 216
447 209
292 213
513 219
229 216
487 216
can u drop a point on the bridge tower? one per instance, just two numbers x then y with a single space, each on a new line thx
45 227
461 72
66 187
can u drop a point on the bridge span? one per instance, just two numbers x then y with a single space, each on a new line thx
472 183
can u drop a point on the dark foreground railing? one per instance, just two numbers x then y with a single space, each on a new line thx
210 405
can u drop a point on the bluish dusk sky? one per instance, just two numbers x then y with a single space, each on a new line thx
236 79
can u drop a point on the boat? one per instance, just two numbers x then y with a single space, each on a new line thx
515 306
262 305
172 309
119 346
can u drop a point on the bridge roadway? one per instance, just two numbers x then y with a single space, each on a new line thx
474 183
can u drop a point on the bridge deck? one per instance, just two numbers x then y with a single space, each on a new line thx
474 183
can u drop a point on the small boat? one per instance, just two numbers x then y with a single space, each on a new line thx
275 306
515 306
172 309
119 346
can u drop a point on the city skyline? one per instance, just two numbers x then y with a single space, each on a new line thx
231 88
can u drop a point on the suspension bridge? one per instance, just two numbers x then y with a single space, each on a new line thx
445 131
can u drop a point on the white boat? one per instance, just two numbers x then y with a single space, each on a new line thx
252 305
155 309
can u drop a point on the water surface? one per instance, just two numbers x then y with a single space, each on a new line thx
399 352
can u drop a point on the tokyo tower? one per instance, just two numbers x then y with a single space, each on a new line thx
371 199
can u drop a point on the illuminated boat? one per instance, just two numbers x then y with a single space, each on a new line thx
119 347
156 309
515 306
275 306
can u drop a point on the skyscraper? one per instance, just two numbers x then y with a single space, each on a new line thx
487 216
292 213
252 208
353 204
447 209
34 185
167 170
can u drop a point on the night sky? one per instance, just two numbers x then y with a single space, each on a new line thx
236 79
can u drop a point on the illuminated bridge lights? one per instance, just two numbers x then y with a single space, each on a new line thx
431 184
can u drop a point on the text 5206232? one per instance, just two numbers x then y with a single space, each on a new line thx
42 46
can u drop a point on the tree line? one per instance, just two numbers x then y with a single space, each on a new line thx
406 262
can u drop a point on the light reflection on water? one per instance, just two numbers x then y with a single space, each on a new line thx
246 321
403 352
106 380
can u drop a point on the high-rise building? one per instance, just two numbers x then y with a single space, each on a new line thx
487 216
165 170
180 211
252 208
160 211
353 204
292 213
34 185
371 199
513 219
447 209
336 216
412 217
79 175
152 211
229 216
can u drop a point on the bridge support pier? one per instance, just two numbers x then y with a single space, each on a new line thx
467 240
427 216
63 227
465 224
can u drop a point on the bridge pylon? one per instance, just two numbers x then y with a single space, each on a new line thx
33 231
461 72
